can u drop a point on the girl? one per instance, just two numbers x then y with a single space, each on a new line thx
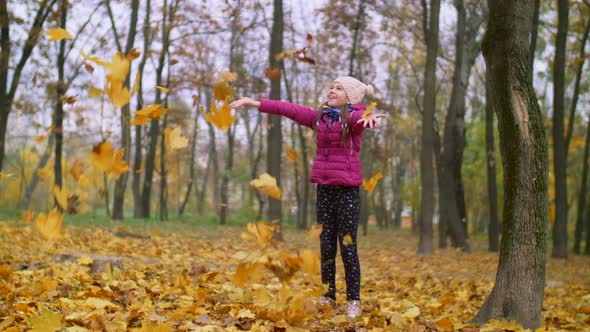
336 169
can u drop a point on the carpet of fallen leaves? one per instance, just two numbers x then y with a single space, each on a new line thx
186 281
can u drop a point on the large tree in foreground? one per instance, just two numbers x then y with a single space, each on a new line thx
519 288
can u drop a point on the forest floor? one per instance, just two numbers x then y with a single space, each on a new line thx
186 278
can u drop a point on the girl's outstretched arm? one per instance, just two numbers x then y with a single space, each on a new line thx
303 115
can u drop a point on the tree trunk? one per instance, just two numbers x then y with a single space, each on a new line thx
493 223
59 108
519 288
425 245
398 203
121 183
137 201
559 147
275 136
356 36
582 197
191 171
227 173
154 124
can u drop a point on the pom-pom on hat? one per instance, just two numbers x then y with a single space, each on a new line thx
355 89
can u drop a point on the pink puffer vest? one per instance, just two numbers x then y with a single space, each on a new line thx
334 164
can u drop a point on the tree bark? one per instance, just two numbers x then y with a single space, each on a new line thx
425 245
519 287
275 137
493 223
121 183
559 147
137 201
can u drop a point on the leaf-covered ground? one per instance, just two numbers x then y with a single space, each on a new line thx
186 281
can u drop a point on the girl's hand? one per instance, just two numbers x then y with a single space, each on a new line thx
371 120
244 101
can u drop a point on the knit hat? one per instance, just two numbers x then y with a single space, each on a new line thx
355 89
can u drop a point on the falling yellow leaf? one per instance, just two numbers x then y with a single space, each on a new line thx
153 111
39 138
261 232
368 110
228 76
117 92
77 169
222 118
173 138
139 170
107 160
135 85
133 54
370 185
222 91
140 120
94 91
163 89
274 74
291 154
201 109
347 240
50 226
267 185
46 321
311 262
61 196
57 34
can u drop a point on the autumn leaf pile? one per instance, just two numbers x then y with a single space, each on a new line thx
246 280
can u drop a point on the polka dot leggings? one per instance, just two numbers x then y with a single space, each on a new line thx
338 210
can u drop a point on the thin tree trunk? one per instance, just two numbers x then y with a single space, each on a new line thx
559 147
356 36
191 171
121 183
24 204
519 288
493 223
582 198
59 109
137 201
154 124
398 202
425 245
275 137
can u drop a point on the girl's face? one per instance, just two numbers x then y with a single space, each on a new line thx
336 95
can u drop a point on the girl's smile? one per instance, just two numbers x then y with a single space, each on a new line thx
337 96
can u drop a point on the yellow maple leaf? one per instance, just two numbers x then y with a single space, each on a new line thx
46 321
369 109
228 76
94 91
261 232
370 185
139 120
347 240
50 226
117 92
291 154
311 262
107 160
152 111
173 138
57 34
61 196
163 89
39 138
267 185
222 91
222 118
77 169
